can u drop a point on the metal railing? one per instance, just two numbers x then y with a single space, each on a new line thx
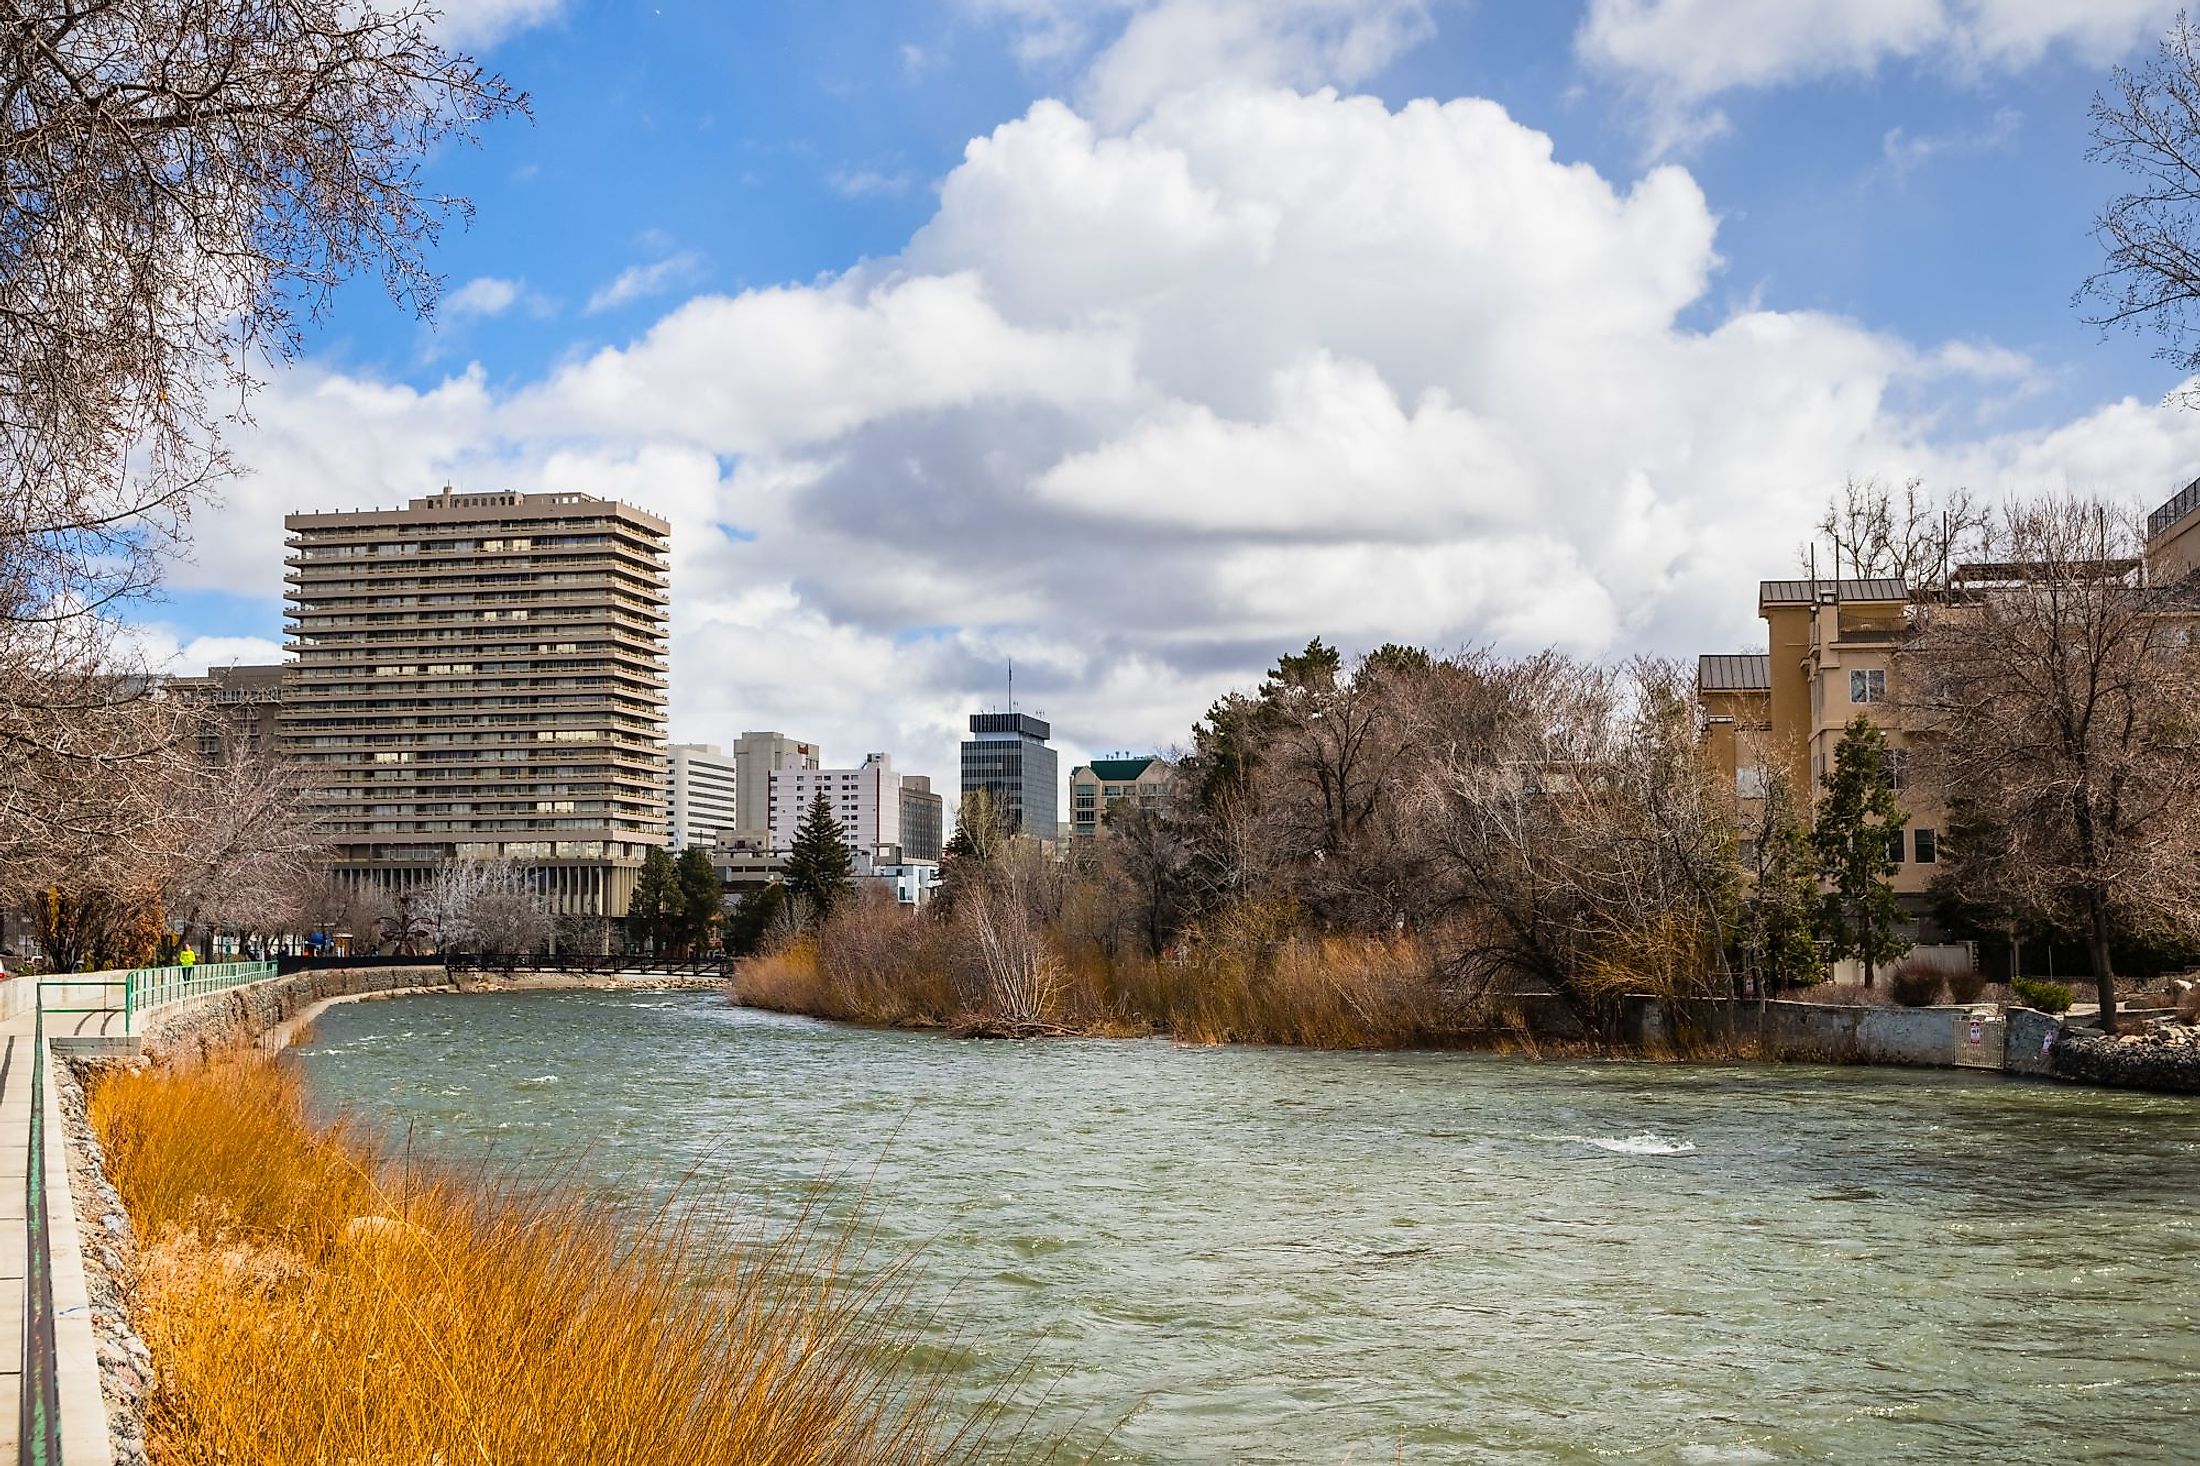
38 1438
150 987
613 964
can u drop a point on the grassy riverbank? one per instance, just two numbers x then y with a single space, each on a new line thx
307 1297
1246 984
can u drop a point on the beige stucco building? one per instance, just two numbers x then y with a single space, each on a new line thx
483 676
1834 649
1140 782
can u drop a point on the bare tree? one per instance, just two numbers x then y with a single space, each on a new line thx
186 184
325 901
484 906
1578 841
2064 709
1005 914
185 181
1877 532
2149 126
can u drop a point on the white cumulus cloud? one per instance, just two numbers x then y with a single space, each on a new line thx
1141 408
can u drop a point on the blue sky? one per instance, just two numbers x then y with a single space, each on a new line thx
1191 360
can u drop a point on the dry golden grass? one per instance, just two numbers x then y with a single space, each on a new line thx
306 1299
1252 979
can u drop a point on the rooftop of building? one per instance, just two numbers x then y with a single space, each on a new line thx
1808 591
1118 770
1734 672
1018 723
2178 507
452 505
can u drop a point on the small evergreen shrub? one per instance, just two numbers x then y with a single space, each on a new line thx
2038 992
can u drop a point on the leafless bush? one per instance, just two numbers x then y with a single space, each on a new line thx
2062 700
483 906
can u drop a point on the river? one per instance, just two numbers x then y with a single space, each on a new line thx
1273 1255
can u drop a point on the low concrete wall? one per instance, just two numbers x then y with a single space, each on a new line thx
2033 1037
1923 1037
1830 1033
190 1030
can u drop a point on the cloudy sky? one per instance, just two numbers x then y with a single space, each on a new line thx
1140 340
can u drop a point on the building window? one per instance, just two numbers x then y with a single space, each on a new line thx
1868 685
1928 846
1894 845
1749 781
1898 768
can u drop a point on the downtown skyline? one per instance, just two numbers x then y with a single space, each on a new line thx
1099 337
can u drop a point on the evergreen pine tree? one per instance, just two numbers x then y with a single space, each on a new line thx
818 866
1780 912
1858 821
655 900
751 920
702 899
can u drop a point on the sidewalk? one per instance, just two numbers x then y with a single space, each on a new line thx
81 1411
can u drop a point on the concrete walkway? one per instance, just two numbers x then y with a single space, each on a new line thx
15 1141
82 1410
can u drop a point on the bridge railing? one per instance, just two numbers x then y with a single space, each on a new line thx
591 962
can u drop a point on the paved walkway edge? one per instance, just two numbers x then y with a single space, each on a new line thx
84 1439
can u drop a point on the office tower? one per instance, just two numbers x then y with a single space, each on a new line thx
482 676
757 756
923 819
240 710
1007 756
1107 785
700 783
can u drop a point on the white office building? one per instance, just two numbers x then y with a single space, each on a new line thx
866 801
700 785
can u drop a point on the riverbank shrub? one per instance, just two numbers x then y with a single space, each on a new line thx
2040 993
311 1296
1252 975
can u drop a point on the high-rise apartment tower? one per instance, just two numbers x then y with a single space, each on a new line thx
482 676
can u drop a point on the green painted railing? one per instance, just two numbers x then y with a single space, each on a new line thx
148 987
38 1422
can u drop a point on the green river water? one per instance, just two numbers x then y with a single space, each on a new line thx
1273 1255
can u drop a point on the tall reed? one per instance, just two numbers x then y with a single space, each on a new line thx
309 1298
1253 977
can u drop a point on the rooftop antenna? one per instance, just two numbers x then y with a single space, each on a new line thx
1012 684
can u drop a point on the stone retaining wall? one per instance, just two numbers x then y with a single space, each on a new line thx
190 1030
2150 1061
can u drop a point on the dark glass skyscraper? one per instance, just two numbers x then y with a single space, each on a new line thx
1007 756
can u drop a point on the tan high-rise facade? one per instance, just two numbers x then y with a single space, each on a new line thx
482 676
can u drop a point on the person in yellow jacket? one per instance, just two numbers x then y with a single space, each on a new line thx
187 958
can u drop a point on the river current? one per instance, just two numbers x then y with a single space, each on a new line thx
1275 1255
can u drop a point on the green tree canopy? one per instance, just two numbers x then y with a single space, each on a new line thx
701 899
818 865
656 900
1779 925
750 921
1858 820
